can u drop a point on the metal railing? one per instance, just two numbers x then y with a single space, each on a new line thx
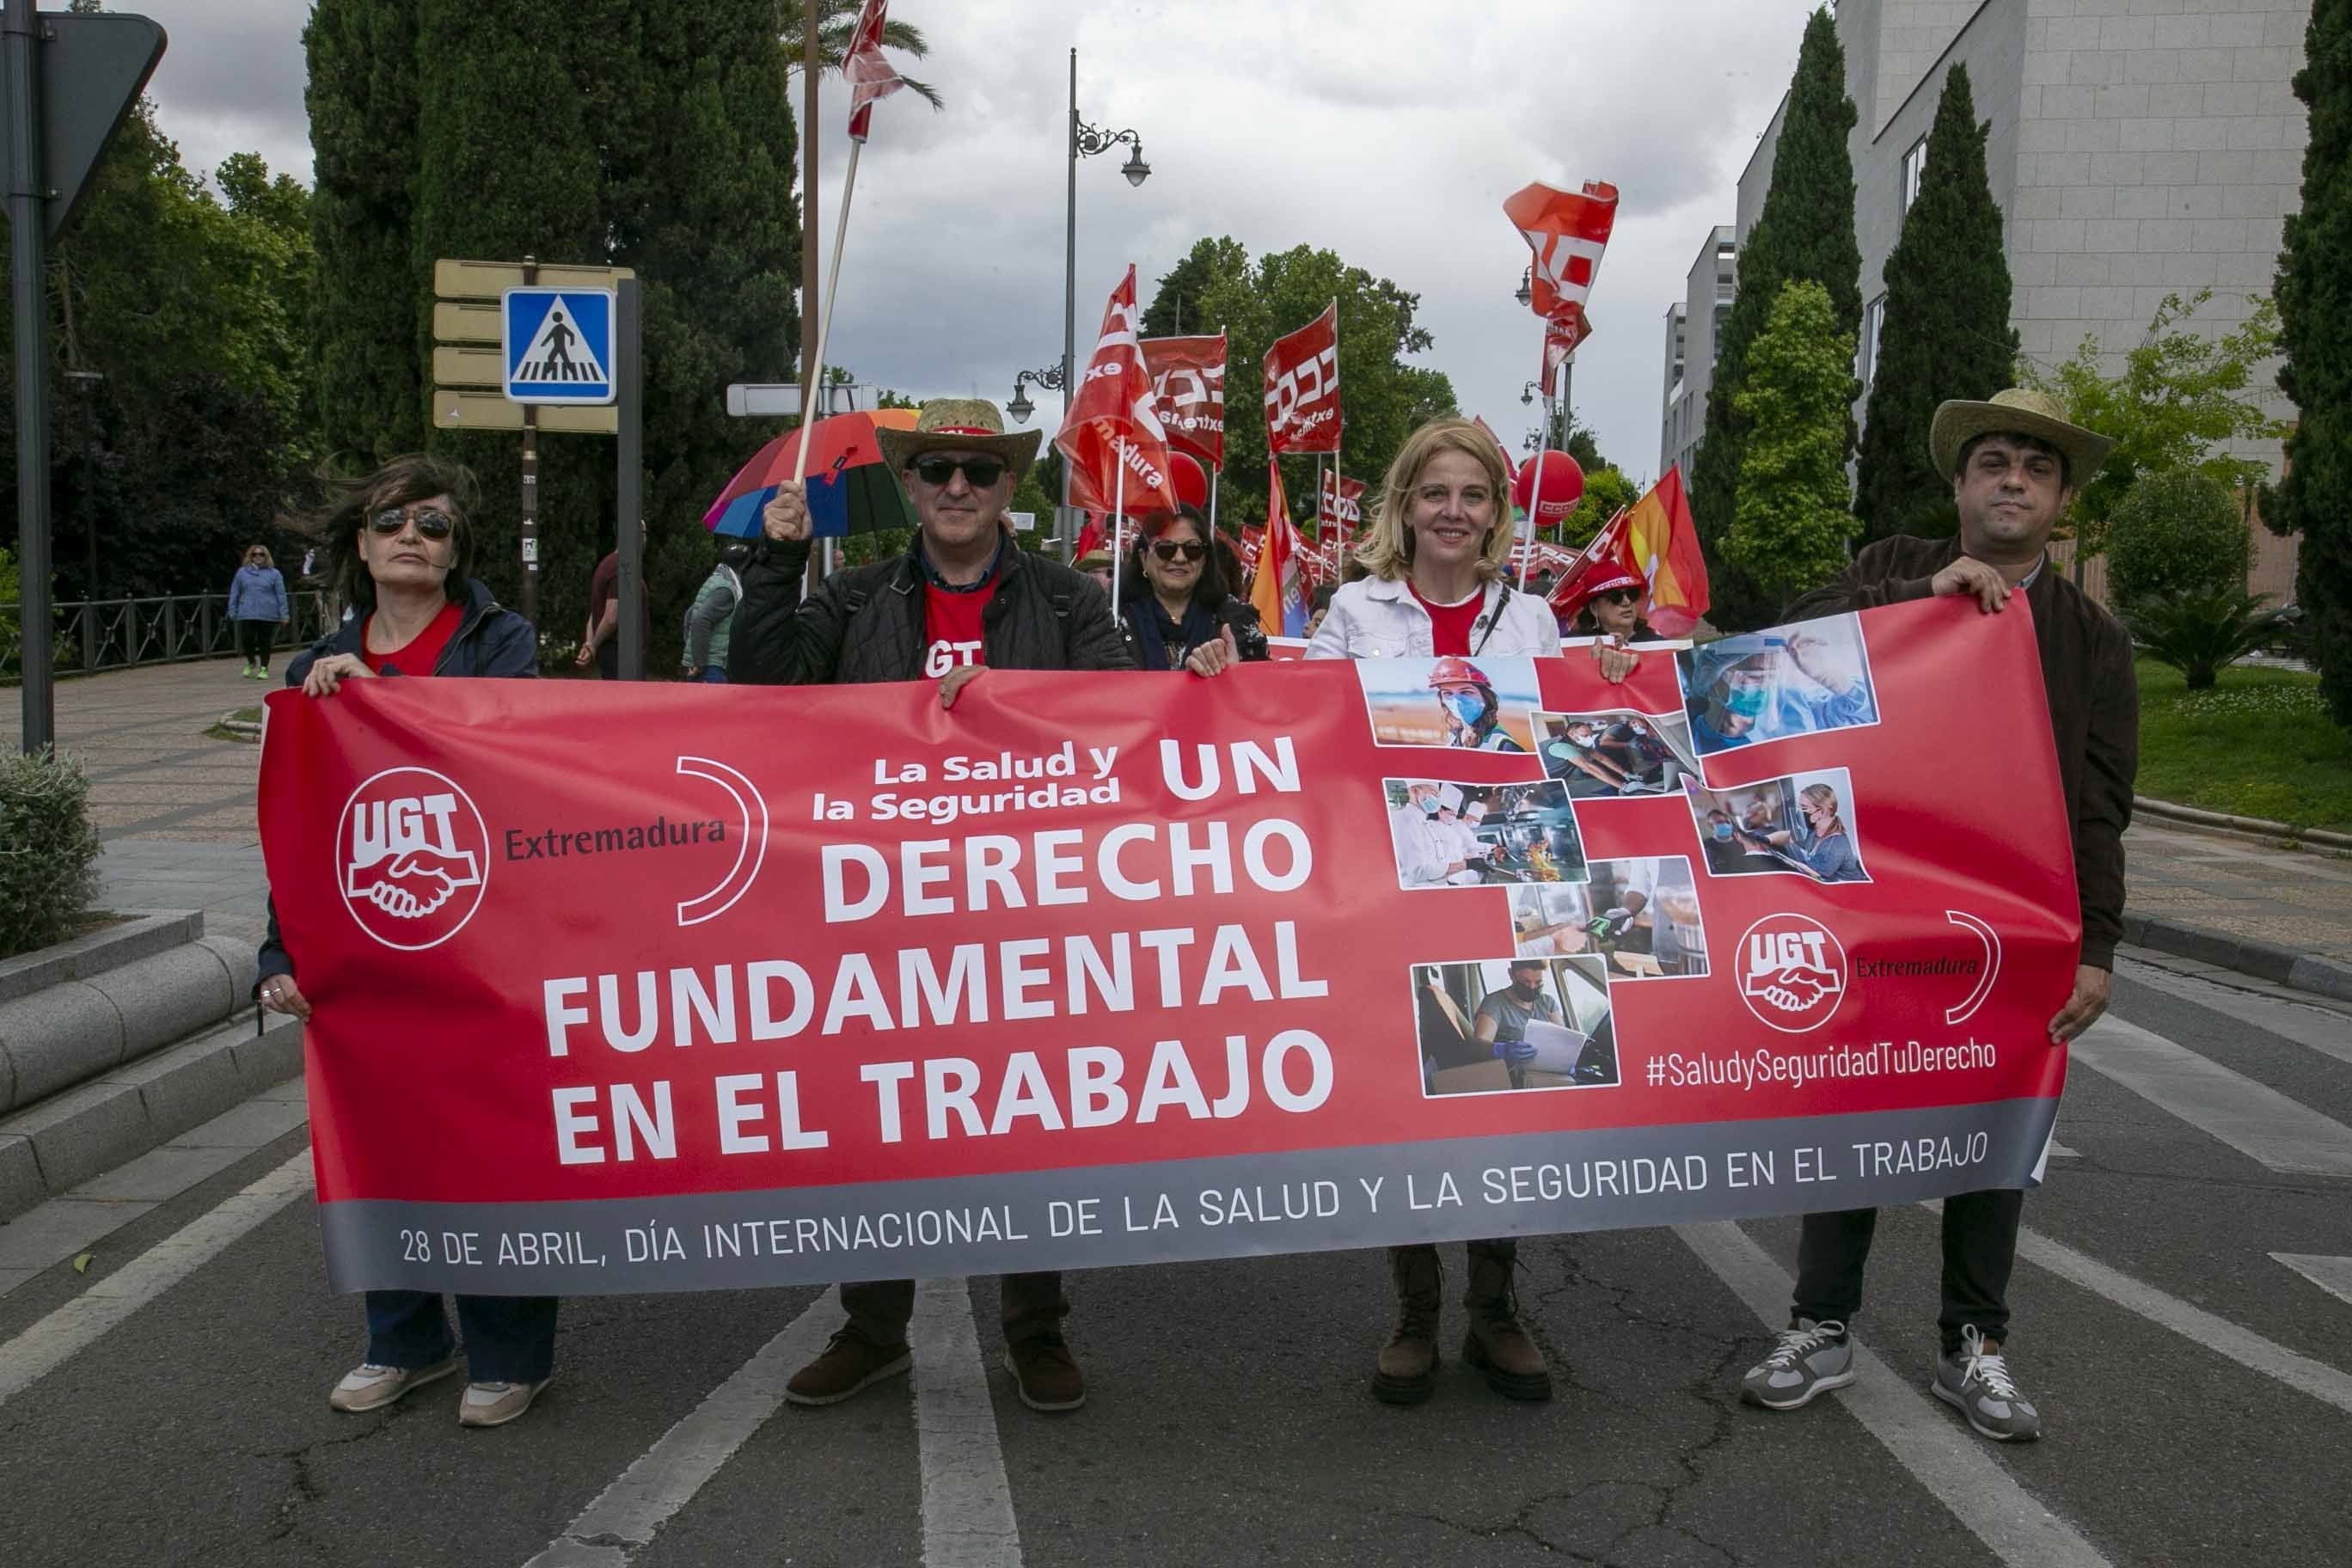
91 635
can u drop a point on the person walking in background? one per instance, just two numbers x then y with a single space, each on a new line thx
712 615
600 642
258 603
400 545
1180 611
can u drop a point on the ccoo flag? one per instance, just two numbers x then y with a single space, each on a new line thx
1568 231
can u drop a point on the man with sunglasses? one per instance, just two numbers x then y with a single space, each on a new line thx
965 599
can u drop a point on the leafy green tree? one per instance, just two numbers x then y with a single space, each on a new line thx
1383 397
1805 232
1793 525
2176 530
1946 330
836 20
2315 295
2180 395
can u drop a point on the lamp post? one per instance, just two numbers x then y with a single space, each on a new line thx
1019 406
1086 142
1526 289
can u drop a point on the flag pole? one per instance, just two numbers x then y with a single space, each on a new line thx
1118 528
1535 489
1214 470
812 393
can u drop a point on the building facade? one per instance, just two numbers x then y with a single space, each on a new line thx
2135 148
1694 327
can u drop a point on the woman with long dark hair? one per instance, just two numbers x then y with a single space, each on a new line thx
1180 610
399 546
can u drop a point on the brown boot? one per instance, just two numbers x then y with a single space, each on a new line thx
1408 1364
1497 1345
851 1363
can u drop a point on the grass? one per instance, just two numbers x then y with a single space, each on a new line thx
2257 743
244 716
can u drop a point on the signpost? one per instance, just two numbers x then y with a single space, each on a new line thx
534 347
67 80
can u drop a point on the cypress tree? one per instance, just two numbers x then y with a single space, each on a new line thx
1793 527
1946 330
2314 298
361 95
1805 231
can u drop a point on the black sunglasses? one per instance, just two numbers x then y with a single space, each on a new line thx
936 472
1620 595
1169 548
432 522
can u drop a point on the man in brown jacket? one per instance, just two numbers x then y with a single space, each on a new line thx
2014 463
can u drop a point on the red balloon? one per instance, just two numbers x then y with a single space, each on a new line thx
1563 487
1191 484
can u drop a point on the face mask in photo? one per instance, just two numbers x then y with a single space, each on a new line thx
1467 705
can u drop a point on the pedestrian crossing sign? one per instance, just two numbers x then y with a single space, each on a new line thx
559 345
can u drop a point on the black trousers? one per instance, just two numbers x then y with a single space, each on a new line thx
1980 1249
881 1309
252 640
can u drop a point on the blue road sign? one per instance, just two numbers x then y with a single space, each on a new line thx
559 345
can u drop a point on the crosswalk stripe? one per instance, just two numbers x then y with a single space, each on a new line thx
2251 1118
44 1346
967 1520
2329 1034
2332 1275
625 1515
1938 1450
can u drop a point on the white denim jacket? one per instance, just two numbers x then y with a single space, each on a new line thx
1372 619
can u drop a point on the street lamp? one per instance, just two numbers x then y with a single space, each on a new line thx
1019 407
1527 292
1086 142
1527 393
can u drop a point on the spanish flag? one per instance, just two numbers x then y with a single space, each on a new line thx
1661 544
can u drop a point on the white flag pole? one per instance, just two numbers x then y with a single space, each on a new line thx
1535 490
1214 470
1118 529
813 394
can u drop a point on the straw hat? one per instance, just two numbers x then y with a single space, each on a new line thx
2016 411
959 425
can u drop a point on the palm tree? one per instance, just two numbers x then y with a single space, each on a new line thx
837 19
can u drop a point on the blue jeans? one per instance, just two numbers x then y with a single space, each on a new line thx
508 1338
712 675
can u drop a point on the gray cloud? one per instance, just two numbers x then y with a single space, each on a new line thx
1387 131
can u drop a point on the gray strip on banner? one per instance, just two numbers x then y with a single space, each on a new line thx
1168 1211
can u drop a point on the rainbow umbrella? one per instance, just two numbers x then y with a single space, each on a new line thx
849 491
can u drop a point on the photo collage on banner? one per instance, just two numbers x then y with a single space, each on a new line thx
1539 1015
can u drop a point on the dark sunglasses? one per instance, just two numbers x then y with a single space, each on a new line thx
1618 597
1169 548
980 472
431 523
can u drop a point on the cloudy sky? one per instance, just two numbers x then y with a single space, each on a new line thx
1370 127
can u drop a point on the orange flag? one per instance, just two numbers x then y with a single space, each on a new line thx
1663 545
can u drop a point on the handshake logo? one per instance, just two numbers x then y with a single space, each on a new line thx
412 853
1793 972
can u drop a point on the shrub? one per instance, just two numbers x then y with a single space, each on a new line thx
2201 633
2178 532
48 852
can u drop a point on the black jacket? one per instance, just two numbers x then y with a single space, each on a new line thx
2086 670
866 624
491 641
1237 614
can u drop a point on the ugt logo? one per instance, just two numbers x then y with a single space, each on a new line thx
411 855
1793 972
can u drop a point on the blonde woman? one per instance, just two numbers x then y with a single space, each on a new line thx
258 603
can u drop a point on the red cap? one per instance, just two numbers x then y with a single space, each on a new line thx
1454 670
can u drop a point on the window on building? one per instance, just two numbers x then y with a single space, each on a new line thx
1914 165
1865 358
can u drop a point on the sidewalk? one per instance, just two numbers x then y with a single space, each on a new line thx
175 809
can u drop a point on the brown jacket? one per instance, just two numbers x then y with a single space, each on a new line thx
2086 670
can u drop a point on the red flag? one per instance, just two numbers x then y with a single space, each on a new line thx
1251 545
870 73
1561 335
1278 591
1605 554
1188 386
1568 232
1111 424
1510 468
1340 507
1302 387
1092 536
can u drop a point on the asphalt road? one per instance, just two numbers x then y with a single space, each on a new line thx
2197 1391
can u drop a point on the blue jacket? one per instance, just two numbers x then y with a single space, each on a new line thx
491 642
257 594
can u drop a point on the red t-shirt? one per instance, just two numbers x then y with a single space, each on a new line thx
421 652
952 624
1449 625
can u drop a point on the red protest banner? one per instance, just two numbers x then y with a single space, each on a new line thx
1061 978
1302 387
1188 388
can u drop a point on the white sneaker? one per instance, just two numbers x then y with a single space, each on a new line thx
367 1386
496 1404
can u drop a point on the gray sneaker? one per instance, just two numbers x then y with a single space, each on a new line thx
1810 1359
1977 1382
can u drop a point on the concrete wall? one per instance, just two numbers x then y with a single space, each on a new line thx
1684 417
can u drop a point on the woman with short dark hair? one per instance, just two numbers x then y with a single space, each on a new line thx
398 546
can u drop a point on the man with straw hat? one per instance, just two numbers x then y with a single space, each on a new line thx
964 598
2014 463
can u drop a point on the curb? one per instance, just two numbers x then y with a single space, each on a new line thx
2263 960
2255 826
97 1127
98 952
